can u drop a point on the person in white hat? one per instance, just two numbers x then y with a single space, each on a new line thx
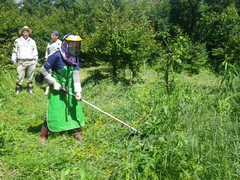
53 46
25 53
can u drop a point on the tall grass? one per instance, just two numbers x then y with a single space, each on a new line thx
193 133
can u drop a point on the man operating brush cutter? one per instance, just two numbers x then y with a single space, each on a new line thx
64 112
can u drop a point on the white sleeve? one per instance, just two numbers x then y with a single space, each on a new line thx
76 82
46 75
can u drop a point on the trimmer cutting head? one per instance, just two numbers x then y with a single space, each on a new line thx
138 134
134 133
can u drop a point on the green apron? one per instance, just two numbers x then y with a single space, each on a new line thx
64 111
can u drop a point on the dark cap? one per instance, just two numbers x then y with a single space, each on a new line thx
55 32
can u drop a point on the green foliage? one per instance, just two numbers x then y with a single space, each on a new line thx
8 21
123 33
121 42
193 133
187 55
184 15
229 77
158 12
221 32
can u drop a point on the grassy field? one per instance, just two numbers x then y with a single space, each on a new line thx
193 133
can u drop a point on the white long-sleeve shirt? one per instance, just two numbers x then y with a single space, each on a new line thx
24 49
52 47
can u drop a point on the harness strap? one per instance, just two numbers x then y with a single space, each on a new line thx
68 77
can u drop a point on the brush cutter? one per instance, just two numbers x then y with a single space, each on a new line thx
134 130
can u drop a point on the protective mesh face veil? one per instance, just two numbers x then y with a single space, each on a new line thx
74 48
70 48
66 56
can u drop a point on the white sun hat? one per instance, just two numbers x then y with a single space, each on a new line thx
25 28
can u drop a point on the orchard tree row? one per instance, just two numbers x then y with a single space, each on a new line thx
126 34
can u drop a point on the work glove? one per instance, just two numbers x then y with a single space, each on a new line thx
77 90
53 81
57 86
78 95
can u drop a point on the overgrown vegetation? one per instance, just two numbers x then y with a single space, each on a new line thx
168 68
193 133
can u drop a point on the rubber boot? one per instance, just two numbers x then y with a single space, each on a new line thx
43 133
18 89
30 86
78 135
47 89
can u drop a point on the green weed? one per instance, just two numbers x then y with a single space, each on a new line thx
193 133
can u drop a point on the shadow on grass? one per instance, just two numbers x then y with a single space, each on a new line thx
25 88
96 75
35 129
105 73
